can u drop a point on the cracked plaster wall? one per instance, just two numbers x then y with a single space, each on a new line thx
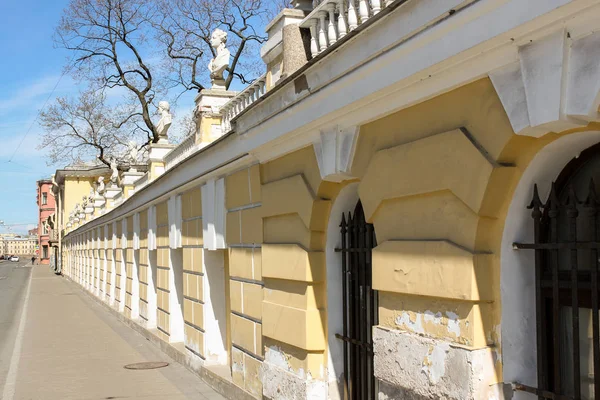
411 367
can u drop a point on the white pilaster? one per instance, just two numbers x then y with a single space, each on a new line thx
122 248
214 214
113 270
152 228
176 328
106 246
135 284
213 283
151 296
136 231
98 242
175 222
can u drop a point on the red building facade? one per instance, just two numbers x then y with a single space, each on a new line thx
46 208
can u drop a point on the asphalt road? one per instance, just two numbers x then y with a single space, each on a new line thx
14 277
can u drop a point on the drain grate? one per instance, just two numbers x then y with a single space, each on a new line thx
147 365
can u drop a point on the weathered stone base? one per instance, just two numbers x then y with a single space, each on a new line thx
247 372
413 367
279 384
391 392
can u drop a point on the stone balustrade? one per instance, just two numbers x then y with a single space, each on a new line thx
331 20
184 149
242 101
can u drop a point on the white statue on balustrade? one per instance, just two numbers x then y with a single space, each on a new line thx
100 187
114 177
166 118
219 64
132 152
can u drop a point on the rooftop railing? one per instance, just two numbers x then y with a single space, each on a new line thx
242 100
184 149
331 20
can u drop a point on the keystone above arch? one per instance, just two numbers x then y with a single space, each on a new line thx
554 85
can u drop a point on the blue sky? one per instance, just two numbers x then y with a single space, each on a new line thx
30 69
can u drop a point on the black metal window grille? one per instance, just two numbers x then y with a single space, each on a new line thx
566 244
359 305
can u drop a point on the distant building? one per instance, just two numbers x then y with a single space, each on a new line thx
33 232
46 210
19 246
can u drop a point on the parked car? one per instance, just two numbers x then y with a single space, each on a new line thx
14 258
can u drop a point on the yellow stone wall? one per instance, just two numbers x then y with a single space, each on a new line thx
101 260
193 298
109 265
295 213
437 195
162 270
94 256
129 267
82 252
88 259
119 278
74 189
206 134
77 260
154 165
143 265
433 191
244 232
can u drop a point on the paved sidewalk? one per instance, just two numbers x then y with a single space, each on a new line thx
72 348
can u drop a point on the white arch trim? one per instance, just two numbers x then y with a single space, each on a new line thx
345 202
517 275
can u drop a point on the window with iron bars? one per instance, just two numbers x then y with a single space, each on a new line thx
566 244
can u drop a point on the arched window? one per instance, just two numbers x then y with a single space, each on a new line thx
567 251
359 304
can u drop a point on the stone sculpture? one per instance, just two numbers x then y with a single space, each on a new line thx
114 177
165 121
132 152
219 64
100 187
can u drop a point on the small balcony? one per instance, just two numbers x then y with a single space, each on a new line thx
53 236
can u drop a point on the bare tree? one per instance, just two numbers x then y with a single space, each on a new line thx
185 28
114 46
83 128
109 41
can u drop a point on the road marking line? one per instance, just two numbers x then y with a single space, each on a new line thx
11 378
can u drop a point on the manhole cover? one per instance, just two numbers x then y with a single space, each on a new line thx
147 365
